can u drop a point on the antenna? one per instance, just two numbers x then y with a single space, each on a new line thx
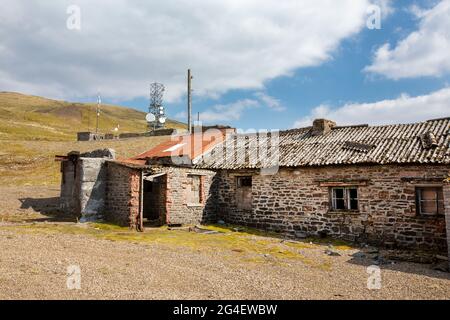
156 106
99 101
89 117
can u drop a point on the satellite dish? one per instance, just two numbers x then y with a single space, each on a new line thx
150 117
162 120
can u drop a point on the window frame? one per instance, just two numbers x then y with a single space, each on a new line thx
438 201
346 197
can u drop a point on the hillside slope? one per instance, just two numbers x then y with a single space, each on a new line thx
25 117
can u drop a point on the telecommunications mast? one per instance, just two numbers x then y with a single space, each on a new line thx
156 117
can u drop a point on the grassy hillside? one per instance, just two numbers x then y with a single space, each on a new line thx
25 117
33 130
32 162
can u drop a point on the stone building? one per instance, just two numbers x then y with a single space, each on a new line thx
160 186
386 185
83 183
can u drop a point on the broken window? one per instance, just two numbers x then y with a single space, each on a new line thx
244 192
194 190
429 201
344 198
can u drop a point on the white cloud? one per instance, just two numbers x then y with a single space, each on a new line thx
424 52
404 109
124 45
269 101
228 112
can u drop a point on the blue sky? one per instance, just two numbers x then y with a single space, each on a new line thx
246 76
335 82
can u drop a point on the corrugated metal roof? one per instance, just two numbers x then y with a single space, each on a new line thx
399 143
189 146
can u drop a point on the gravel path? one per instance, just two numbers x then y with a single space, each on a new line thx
33 265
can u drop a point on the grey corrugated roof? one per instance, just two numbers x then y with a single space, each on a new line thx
399 143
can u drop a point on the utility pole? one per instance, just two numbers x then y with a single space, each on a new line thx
189 98
99 101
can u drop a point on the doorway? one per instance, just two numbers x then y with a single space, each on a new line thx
154 200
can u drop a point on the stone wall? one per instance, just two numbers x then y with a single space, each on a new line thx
123 195
179 210
447 215
297 201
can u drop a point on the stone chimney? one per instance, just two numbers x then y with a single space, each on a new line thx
322 126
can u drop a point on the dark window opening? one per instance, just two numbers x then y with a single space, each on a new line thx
429 201
353 199
244 181
344 198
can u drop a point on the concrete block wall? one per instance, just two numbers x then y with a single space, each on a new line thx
92 184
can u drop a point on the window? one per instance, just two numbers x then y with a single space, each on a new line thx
429 201
344 198
244 181
244 192
194 190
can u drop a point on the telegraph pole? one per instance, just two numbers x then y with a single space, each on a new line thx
189 98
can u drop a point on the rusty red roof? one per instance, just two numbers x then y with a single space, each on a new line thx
188 146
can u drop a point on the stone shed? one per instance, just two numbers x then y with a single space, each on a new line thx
83 183
156 195
162 185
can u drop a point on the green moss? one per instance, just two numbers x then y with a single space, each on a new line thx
239 247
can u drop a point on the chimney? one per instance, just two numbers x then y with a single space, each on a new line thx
322 126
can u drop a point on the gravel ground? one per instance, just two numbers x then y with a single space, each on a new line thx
33 265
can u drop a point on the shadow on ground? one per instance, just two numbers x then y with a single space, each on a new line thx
48 207
433 268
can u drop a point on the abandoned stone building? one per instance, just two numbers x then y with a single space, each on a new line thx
386 185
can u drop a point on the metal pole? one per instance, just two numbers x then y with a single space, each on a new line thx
89 117
189 78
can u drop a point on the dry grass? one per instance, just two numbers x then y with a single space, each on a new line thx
24 117
32 162
33 130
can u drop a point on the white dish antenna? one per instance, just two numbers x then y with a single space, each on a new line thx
150 117
162 120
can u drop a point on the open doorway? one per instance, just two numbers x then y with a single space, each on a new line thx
154 198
